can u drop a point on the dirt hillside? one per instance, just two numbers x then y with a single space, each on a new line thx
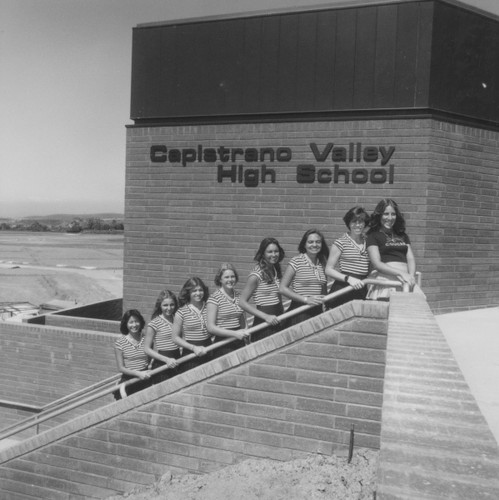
317 477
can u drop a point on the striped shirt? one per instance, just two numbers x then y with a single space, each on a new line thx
133 354
265 294
228 311
162 334
193 323
354 258
309 279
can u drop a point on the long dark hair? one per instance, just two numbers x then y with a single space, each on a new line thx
164 294
266 268
126 317
375 220
184 297
323 254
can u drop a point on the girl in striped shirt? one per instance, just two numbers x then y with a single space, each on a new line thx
131 359
189 326
263 286
159 343
348 262
304 281
225 318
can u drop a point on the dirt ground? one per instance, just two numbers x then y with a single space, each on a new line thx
40 267
317 477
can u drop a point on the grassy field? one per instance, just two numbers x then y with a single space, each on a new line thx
39 267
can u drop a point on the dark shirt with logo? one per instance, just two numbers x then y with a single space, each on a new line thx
391 248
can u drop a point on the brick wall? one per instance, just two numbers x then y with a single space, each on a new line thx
73 322
294 393
461 230
181 222
291 394
39 364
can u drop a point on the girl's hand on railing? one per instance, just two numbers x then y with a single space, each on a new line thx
199 350
407 278
314 300
271 320
145 375
355 283
242 334
170 362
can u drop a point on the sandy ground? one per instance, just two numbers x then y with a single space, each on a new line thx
40 267
317 477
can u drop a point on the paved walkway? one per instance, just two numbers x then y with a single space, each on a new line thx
473 337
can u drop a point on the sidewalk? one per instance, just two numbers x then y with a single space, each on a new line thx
473 337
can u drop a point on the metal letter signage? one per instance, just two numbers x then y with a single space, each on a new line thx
231 168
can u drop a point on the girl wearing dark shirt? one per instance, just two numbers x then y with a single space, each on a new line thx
389 249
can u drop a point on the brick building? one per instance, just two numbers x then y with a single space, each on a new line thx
270 124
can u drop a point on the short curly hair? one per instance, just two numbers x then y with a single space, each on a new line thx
226 266
355 214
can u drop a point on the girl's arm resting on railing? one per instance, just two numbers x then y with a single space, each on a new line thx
332 272
177 338
214 329
287 291
149 350
120 362
385 268
244 302
411 262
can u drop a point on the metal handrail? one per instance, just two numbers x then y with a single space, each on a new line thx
84 396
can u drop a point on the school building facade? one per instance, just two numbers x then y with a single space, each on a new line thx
271 124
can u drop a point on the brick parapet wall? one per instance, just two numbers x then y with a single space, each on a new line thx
181 222
73 322
435 443
40 364
291 394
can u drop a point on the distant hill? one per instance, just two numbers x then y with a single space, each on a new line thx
70 217
73 223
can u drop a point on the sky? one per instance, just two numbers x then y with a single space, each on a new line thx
65 69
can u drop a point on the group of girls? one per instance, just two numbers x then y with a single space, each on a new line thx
375 245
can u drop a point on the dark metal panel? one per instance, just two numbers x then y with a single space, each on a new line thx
252 65
287 70
386 38
194 74
466 83
330 61
406 49
365 50
306 61
344 59
147 78
423 55
323 90
269 97
229 66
